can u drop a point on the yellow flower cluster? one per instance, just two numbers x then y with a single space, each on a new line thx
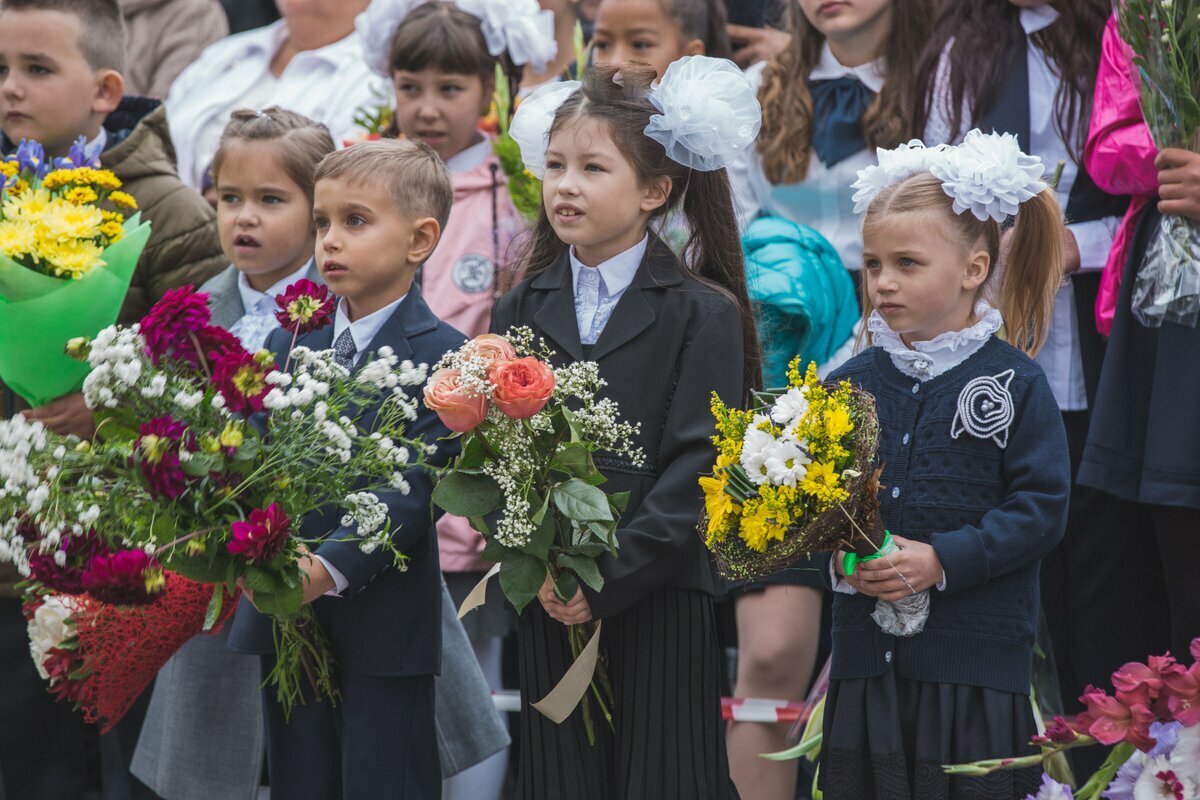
56 226
761 510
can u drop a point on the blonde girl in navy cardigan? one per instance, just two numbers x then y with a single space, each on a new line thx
975 474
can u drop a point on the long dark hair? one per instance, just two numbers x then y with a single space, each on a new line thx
985 32
713 253
785 142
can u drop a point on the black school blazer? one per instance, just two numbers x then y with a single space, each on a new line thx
670 343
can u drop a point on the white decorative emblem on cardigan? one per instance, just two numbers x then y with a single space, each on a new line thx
985 408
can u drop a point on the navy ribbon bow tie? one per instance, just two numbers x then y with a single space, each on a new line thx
838 106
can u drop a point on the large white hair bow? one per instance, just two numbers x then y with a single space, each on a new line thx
530 126
708 112
987 174
521 28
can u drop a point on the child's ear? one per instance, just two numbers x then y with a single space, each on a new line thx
425 235
656 194
110 88
978 267
694 48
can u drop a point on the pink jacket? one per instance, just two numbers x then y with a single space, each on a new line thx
459 284
1119 156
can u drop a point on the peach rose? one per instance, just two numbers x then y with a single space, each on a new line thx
457 408
523 386
492 347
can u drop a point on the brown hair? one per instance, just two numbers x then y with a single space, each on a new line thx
102 28
299 142
411 171
785 142
713 253
441 36
1031 271
703 20
984 33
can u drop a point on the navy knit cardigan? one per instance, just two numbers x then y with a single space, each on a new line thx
990 513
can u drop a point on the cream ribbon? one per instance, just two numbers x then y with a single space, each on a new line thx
477 596
562 699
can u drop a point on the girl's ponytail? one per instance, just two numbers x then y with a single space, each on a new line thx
714 252
1031 272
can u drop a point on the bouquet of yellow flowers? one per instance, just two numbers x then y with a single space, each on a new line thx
67 253
793 477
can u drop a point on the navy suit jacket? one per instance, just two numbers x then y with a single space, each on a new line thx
386 622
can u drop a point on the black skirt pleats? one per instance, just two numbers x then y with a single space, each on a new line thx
669 741
887 738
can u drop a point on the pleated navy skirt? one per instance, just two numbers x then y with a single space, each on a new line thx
886 738
669 742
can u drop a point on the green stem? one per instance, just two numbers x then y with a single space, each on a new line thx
1100 780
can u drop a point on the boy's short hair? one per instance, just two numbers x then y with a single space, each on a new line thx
102 39
411 171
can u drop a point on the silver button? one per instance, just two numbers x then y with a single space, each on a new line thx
888 656
895 491
906 438
916 388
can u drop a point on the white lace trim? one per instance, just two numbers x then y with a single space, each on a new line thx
927 360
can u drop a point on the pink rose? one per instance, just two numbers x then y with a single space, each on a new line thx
459 409
522 386
492 347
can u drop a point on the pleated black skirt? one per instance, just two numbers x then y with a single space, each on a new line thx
669 742
886 738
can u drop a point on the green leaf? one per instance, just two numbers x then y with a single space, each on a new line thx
573 458
543 537
472 455
214 606
619 501
200 464
573 423
592 549
114 425
494 551
584 567
566 585
199 569
467 495
581 501
544 506
521 576
249 450
480 524
259 580
284 603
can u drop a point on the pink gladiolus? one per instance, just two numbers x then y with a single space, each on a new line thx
1136 683
1182 689
1109 720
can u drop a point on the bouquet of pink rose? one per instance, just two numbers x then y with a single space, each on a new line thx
528 434
1152 718
186 474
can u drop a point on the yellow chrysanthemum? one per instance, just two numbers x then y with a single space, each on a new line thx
112 231
104 179
8 168
719 506
65 222
819 477
123 199
72 259
28 203
17 238
81 195
758 529
837 422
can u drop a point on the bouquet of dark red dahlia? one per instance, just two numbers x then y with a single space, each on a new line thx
206 457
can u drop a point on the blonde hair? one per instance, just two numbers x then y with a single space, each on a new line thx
411 171
785 142
1031 271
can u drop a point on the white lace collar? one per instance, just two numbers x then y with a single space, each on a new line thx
926 360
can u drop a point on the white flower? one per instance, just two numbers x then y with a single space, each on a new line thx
989 176
1160 780
156 387
789 407
188 400
218 401
894 166
50 627
757 446
365 510
785 464
60 452
1185 757
90 515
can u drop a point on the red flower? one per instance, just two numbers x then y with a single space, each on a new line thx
1109 721
261 538
304 307
128 577
216 342
59 665
167 327
523 386
1182 689
67 579
157 455
1059 731
242 381
1136 683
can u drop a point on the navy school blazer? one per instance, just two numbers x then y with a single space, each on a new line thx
386 622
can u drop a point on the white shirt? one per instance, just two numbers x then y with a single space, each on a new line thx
822 200
472 157
329 84
258 319
1060 356
363 331
615 275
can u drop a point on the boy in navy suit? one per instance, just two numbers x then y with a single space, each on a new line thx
379 209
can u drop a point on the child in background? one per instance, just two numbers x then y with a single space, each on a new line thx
441 59
263 172
659 32
975 470
665 334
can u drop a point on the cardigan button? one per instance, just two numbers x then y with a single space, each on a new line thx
888 656
916 388
895 491
906 438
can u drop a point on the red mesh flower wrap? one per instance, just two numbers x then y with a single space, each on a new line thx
124 647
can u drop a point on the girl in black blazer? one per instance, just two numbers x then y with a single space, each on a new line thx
600 285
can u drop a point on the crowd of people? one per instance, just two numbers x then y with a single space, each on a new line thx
254 135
